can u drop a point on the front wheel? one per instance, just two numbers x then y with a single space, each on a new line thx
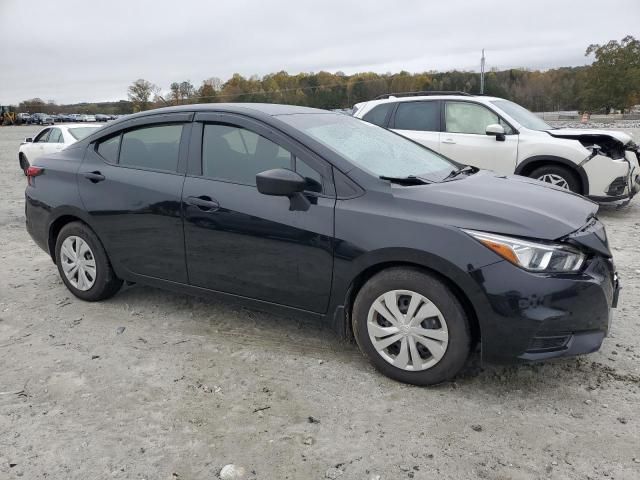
559 176
411 326
83 264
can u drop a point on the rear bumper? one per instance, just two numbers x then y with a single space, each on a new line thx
535 317
36 222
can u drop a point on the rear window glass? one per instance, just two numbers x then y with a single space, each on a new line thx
154 148
80 132
108 149
377 115
422 116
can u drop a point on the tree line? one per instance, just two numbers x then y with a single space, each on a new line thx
611 82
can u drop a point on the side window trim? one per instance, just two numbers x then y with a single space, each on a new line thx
443 117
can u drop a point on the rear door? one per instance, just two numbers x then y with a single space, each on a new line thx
242 242
464 138
131 183
419 121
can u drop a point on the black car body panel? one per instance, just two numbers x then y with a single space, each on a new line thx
236 243
485 201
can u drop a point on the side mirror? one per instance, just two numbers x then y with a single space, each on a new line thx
497 131
284 183
280 181
28 140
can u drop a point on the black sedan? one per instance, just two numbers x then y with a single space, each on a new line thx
318 214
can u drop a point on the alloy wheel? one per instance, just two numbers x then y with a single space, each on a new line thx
407 330
78 263
554 179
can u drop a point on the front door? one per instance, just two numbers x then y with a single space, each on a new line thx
55 142
36 148
464 138
242 242
131 187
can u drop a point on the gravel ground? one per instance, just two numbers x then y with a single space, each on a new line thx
157 385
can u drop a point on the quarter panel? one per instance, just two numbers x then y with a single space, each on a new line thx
51 194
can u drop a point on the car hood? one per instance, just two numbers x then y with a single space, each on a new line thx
589 133
510 205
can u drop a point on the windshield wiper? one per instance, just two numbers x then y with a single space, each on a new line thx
468 169
408 180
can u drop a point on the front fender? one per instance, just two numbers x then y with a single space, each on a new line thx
349 275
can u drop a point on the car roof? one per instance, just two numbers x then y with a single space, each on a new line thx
271 109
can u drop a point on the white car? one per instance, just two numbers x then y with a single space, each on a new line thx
497 134
51 140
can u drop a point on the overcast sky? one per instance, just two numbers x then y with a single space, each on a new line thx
83 50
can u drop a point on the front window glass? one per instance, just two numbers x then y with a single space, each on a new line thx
374 149
42 136
521 115
155 147
55 136
238 155
464 117
313 178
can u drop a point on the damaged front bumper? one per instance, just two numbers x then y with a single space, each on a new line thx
618 180
535 316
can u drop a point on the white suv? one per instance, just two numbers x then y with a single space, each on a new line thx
496 134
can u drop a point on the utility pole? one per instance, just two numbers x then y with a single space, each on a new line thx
482 73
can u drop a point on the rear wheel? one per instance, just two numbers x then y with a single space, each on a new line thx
411 327
559 176
83 264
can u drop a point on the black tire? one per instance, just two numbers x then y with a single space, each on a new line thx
573 181
415 280
24 163
106 283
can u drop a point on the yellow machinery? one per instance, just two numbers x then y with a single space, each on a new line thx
8 115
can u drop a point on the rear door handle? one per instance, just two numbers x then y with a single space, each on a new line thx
204 203
94 177
449 140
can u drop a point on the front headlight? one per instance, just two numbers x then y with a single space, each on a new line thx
534 256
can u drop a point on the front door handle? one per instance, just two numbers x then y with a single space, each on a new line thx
94 177
449 140
204 203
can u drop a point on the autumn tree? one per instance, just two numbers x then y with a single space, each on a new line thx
613 80
140 93
208 91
